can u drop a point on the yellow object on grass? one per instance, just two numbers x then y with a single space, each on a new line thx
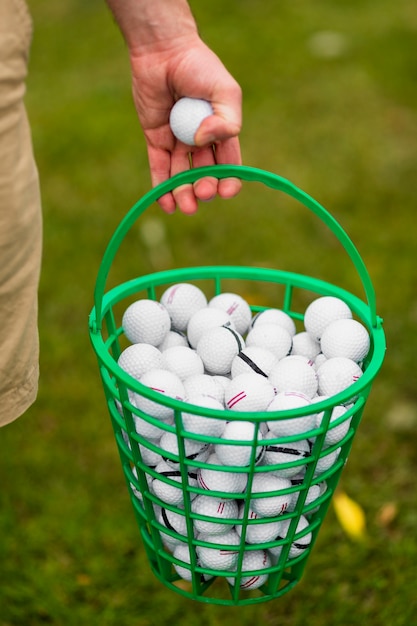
350 515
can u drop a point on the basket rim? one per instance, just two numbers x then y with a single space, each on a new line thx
361 309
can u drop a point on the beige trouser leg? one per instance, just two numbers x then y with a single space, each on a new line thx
20 221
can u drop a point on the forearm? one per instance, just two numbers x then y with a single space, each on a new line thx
152 23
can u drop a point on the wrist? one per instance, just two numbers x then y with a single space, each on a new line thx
153 25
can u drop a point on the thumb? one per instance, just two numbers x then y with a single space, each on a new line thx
214 129
223 125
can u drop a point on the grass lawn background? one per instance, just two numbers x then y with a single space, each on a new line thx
330 103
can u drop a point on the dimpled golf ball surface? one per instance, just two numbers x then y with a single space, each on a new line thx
319 360
257 533
305 344
223 382
294 374
175 522
299 544
235 306
220 480
149 431
166 492
285 401
272 337
146 321
347 338
164 382
254 359
203 320
218 510
253 560
322 311
236 453
219 558
275 316
186 116
218 347
139 358
182 361
326 462
148 456
336 375
199 424
249 392
270 505
203 384
335 433
181 301
182 553
281 456
313 493
194 450
173 338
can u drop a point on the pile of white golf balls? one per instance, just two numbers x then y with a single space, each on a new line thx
242 479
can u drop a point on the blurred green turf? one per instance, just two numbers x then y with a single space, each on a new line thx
330 103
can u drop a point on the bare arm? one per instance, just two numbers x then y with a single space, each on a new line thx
169 60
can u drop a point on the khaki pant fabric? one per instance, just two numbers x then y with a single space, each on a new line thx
20 221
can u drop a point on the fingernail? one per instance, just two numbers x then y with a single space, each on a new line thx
205 140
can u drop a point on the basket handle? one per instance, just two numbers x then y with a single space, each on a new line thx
242 172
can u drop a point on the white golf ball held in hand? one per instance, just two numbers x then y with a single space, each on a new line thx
186 116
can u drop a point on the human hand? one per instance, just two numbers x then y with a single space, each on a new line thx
161 75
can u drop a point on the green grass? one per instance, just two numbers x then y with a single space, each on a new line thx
344 128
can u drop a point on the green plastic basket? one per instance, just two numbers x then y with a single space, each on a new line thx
163 524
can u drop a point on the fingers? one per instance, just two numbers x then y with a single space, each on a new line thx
215 129
166 163
160 168
205 189
229 152
184 195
